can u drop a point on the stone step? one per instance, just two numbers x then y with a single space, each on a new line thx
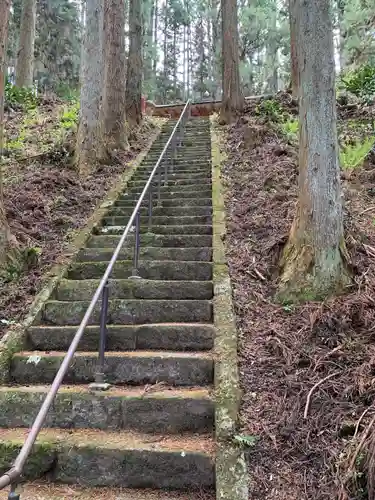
147 269
182 157
125 459
129 312
159 220
202 183
167 336
146 253
170 229
151 239
134 368
126 209
39 490
176 175
203 150
182 168
145 409
190 162
165 196
170 203
72 290
171 188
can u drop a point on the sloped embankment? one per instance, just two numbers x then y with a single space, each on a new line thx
46 202
307 371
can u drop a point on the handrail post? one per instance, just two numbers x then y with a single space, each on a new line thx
166 171
137 243
100 384
159 185
13 495
150 209
173 154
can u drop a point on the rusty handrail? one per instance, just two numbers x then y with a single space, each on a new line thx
12 476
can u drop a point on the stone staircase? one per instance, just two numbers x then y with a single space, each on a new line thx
154 427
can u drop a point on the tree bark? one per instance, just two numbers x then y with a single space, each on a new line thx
154 63
272 49
90 143
293 48
114 75
25 56
342 34
6 239
232 100
134 69
314 259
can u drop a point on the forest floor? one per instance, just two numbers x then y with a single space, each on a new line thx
311 441
45 200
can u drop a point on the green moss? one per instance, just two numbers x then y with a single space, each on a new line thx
39 462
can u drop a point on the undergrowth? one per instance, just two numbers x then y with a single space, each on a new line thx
353 155
20 97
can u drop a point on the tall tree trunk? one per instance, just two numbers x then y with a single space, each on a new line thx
184 66
134 69
232 100
272 49
293 48
175 62
313 263
25 56
6 240
154 64
188 76
114 74
342 34
215 48
90 143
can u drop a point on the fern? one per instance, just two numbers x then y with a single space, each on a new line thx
290 128
353 155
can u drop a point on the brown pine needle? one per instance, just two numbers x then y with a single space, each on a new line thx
313 389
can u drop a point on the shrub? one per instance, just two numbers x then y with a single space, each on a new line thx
361 82
353 155
23 97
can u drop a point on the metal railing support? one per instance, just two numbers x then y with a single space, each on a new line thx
13 495
137 242
12 476
159 186
150 209
100 384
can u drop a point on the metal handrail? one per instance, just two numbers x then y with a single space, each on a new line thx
12 476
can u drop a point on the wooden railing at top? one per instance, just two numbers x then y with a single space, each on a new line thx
203 108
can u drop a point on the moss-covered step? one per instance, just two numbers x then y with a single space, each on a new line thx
167 195
175 188
153 240
156 253
159 220
159 336
103 458
147 269
143 409
135 368
177 185
129 311
193 156
136 289
45 490
183 168
176 202
126 209
197 175
167 229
